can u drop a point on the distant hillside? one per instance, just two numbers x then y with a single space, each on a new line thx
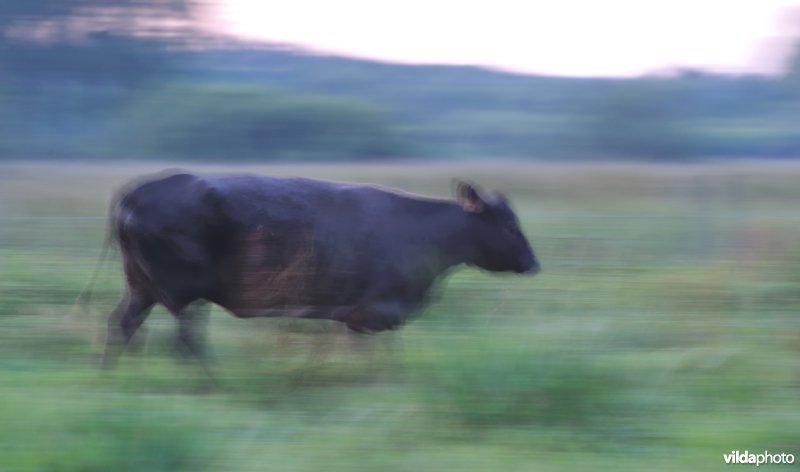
456 110
120 97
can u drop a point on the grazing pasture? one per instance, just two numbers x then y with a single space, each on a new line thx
662 333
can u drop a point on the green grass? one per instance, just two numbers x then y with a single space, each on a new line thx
662 334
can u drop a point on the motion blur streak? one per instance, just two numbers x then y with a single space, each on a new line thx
662 333
665 313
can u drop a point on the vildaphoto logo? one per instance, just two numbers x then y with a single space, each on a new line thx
746 457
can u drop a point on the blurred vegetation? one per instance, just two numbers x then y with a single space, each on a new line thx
661 335
248 122
102 79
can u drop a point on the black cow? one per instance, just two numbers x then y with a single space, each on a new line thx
267 246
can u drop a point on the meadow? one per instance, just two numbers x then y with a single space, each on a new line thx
662 333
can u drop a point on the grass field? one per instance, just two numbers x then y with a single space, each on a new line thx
662 333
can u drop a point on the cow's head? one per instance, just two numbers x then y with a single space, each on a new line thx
498 242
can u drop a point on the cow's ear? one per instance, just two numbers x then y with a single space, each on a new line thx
469 198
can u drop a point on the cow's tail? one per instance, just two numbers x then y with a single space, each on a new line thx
82 302
85 296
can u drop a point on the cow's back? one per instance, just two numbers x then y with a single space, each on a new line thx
303 241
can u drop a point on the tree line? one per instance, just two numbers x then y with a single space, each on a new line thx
100 79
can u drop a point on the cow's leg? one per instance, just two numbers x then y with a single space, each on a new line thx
191 337
126 318
376 317
192 324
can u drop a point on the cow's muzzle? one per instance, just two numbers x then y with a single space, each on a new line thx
531 267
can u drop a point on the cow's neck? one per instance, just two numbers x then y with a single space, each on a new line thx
451 245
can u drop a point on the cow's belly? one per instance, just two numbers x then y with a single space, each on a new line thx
336 313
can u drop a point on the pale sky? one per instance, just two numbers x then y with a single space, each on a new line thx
560 37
